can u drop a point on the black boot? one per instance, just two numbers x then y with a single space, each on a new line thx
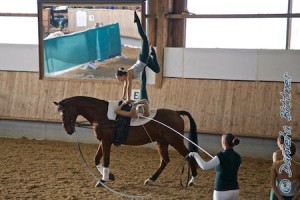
153 53
136 17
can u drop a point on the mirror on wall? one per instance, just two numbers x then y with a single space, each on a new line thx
87 39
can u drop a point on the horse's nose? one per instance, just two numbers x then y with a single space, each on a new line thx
70 132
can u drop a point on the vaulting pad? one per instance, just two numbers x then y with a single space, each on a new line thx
70 50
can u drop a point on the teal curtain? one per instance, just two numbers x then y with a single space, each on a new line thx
70 50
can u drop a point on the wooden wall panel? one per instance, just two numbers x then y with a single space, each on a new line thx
242 107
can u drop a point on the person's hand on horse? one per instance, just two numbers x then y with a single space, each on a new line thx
127 101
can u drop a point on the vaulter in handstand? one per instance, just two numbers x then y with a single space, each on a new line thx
144 59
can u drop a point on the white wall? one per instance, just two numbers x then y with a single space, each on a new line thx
232 64
19 57
227 64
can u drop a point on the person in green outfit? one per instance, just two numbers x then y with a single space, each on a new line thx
227 164
138 69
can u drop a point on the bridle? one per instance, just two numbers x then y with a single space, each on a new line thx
64 113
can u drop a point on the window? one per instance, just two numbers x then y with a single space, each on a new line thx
237 6
19 30
248 24
235 33
28 6
296 6
295 35
19 23
88 41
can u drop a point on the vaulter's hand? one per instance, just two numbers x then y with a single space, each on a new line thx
126 102
192 154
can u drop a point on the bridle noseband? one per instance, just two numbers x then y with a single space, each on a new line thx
64 113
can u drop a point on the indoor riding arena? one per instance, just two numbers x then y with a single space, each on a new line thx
223 69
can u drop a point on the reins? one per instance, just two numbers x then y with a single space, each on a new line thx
83 125
186 160
89 126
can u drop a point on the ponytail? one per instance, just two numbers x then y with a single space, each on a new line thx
235 141
231 140
121 72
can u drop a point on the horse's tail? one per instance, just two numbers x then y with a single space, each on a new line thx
193 136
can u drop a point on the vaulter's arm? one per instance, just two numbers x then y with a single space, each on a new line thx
124 89
129 83
121 112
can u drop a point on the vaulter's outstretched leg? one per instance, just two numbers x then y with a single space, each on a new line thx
152 61
144 54
144 57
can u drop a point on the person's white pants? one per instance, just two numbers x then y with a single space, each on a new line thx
226 195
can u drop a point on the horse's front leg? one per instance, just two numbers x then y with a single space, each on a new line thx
98 157
104 149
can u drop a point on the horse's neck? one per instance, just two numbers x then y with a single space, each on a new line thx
94 114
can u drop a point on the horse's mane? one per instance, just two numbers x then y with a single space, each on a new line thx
85 99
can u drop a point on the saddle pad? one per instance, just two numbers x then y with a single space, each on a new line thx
112 105
140 120
134 121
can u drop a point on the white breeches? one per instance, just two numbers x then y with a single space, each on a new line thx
138 68
226 195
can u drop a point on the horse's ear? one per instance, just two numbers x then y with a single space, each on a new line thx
60 105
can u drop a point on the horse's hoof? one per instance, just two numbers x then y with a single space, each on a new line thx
190 184
148 182
192 181
100 183
111 176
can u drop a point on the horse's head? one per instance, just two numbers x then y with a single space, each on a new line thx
68 117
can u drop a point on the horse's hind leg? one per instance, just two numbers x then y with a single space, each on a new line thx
164 160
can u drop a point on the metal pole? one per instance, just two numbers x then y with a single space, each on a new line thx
289 25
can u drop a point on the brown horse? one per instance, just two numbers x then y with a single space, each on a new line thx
95 111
